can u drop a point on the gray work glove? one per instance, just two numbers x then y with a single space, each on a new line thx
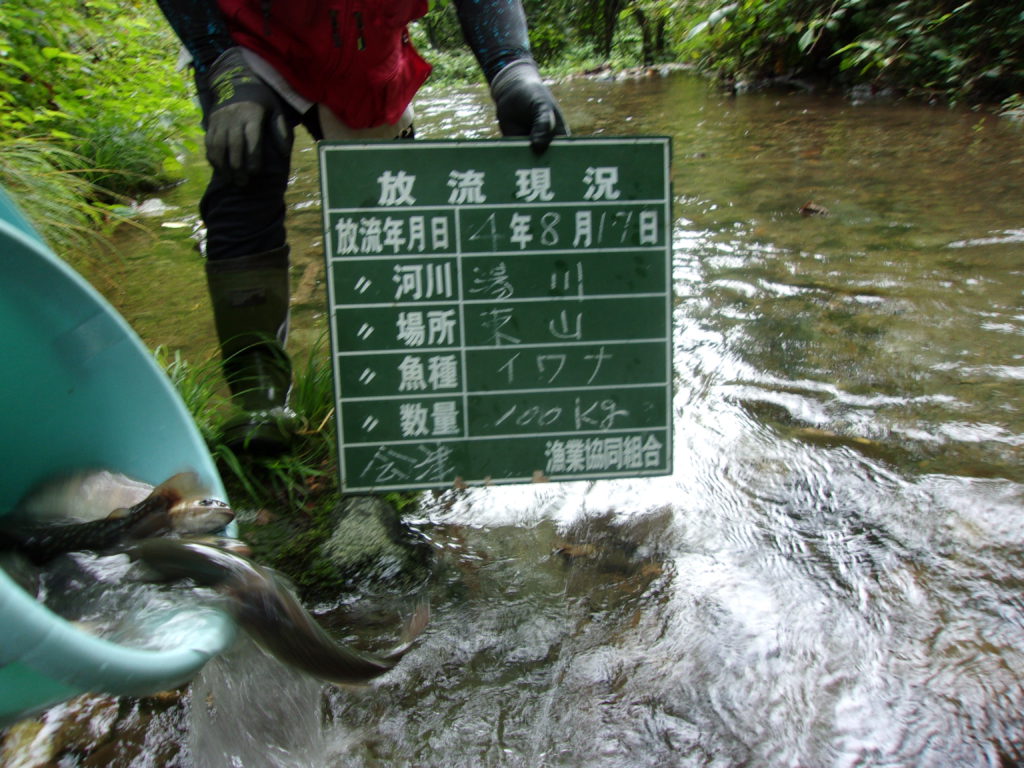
525 106
242 108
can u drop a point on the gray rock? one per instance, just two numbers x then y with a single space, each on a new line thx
372 545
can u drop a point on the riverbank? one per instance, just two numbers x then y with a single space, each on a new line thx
959 53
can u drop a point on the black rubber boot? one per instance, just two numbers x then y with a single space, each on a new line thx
250 306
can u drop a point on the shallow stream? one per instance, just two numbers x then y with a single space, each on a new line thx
833 574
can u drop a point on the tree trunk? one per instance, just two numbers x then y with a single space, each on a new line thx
610 15
429 24
647 37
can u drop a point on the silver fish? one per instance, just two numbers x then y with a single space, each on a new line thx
173 506
264 605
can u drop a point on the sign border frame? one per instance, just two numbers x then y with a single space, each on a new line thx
323 148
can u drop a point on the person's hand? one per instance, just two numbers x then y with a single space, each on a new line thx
525 106
242 107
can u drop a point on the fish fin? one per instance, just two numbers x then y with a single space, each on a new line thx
153 513
413 629
418 621
119 513
167 494
183 485
225 543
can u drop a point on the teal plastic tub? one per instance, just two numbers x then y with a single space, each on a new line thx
80 390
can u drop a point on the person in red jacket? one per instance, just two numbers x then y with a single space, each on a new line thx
344 69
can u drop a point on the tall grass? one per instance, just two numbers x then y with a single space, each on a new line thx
52 185
294 479
201 388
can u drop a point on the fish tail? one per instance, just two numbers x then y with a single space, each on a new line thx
273 616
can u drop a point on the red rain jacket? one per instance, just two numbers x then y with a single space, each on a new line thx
354 56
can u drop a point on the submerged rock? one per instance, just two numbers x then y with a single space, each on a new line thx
94 730
372 546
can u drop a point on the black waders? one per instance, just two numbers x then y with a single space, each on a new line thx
250 306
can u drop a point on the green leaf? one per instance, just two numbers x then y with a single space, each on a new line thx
697 29
806 39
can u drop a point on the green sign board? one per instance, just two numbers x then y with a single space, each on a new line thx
499 316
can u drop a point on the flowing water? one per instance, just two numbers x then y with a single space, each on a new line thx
833 574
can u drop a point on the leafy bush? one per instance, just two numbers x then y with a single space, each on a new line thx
1013 107
971 50
51 186
960 50
89 86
